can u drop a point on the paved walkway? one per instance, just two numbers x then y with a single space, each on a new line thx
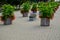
22 29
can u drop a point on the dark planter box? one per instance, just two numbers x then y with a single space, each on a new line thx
25 15
7 21
45 22
31 18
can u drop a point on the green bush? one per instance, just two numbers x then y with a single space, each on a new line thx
47 8
7 11
46 12
34 7
25 7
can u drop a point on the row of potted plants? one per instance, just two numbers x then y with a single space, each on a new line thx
46 10
26 7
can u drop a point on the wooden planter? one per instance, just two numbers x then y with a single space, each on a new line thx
45 22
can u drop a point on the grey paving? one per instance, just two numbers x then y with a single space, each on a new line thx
22 29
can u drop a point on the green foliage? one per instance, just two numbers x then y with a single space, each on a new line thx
53 4
34 6
46 12
7 11
47 9
25 7
23 1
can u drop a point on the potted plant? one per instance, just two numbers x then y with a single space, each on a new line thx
46 13
33 12
25 9
34 8
7 14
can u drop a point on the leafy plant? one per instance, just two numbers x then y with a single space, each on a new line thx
25 7
34 7
47 9
7 11
46 12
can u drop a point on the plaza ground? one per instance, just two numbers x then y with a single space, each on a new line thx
23 29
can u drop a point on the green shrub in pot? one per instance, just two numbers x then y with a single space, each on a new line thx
34 7
25 9
7 14
33 12
46 13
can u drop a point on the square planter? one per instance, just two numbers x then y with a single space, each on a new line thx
31 19
25 15
45 22
8 21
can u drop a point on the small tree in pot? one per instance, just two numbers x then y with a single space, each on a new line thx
34 7
54 5
25 9
46 13
7 14
33 12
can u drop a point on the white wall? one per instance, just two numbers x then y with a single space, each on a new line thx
57 0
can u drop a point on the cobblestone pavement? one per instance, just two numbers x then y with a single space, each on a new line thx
22 29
